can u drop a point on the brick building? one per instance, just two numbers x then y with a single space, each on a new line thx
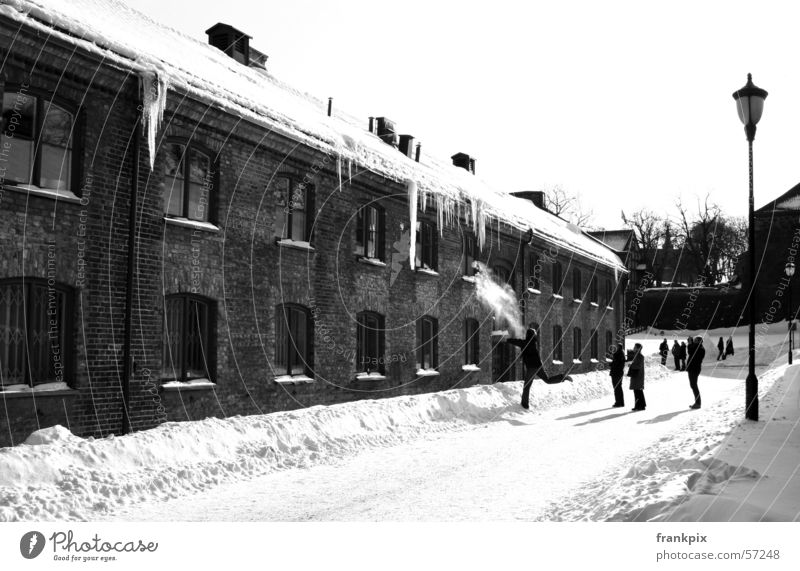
184 236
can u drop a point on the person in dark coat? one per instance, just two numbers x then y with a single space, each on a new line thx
617 372
663 349
533 363
693 367
683 356
676 355
729 347
721 348
636 374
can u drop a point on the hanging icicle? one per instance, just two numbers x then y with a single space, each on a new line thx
339 170
154 101
413 198
349 171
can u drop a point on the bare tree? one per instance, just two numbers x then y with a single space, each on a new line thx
568 206
649 231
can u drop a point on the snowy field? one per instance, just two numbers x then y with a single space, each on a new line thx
467 454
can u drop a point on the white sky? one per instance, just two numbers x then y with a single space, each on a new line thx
627 103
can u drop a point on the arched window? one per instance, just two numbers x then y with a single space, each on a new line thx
35 332
576 343
557 278
38 139
558 346
471 342
294 337
370 233
188 181
427 343
189 348
370 342
577 292
294 209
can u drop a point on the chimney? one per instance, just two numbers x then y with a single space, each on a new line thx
372 124
464 161
385 130
233 42
330 105
407 145
419 151
535 196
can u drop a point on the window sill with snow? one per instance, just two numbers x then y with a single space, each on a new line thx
470 368
577 361
191 385
293 380
593 304
51 193
558 296
534 290
371 261
295 245
557 362
57 389
427 272
469 279
374 376
576 300
194 224
427 372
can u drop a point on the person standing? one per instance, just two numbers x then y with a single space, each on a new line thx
721 348
683 356
729 347
693 367
636 374
664 350
617 372
676 355
533 363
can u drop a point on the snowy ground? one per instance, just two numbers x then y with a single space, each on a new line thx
467 454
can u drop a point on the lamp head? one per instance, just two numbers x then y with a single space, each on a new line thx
750 106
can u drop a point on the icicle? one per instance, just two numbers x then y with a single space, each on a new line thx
154 101
413 198
440 213
349 171
339 170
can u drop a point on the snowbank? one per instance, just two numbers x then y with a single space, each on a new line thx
56 475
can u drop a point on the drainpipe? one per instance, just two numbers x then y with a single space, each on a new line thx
127 362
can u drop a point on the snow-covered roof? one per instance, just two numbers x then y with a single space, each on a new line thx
172 60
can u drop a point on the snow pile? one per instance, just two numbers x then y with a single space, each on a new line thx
167 59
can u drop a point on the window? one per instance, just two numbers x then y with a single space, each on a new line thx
427 343
370 231
34 340
188 182
502 273
577 292
558 346
593 345
593 289
294 334
609 344
576 343
470 254
426 250
294 210
471 342
557 278
534 271
37 137
609 294
370 342
188 347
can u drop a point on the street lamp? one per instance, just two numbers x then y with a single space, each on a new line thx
789 273
750 105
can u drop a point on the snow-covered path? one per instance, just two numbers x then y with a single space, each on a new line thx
523 466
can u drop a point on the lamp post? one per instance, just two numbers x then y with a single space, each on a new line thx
789 273
750 105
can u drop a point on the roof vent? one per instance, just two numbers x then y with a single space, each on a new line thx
236 44
407 145
464 161
384 128
535 196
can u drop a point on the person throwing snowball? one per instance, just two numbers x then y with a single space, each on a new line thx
533 362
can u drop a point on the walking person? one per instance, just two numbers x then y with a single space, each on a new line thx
729 347
636 374
676 355
533 363
683 356
664 350
617 372
693 367
721 348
